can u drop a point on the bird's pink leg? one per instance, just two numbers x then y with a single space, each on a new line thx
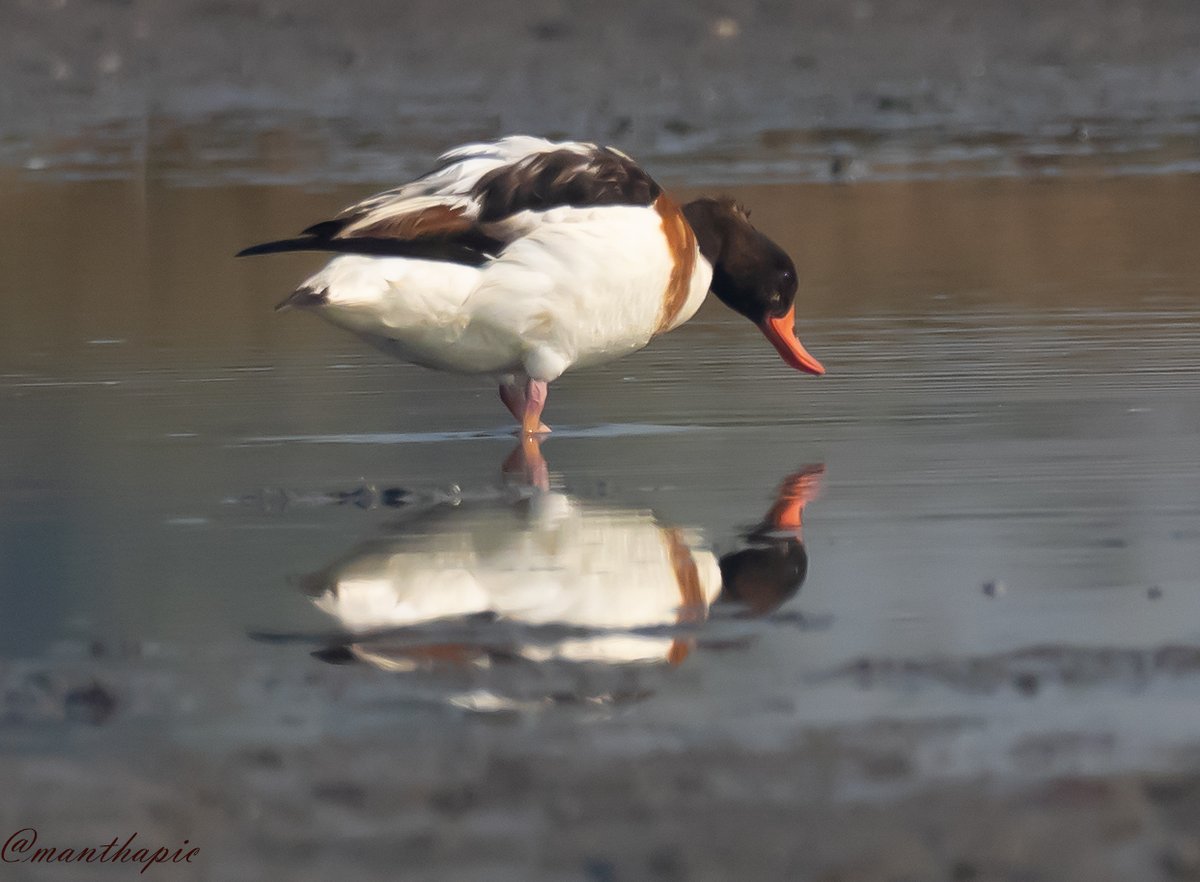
536 392
513 396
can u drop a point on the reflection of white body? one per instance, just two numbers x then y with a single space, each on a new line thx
562 563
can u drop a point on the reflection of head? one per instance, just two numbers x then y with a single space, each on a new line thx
762 578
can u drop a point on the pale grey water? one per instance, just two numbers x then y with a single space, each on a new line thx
1009 430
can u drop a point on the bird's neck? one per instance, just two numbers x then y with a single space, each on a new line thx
704 224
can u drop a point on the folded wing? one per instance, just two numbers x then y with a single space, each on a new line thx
479 199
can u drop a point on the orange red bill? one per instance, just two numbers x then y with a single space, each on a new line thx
781 332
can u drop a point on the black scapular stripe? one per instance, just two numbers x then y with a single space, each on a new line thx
563 178
427 249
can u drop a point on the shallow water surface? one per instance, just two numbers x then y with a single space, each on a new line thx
1001 522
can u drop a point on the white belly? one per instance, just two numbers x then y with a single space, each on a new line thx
582 288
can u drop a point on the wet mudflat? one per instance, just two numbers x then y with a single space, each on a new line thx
283 596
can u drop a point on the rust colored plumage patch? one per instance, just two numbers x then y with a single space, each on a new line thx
681 242
428 655
438 220
692 608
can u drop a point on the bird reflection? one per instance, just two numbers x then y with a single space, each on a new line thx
545 576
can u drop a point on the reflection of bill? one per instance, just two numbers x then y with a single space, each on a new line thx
591 582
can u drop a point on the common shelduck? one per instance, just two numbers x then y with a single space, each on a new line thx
523 258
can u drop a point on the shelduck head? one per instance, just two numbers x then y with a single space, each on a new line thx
751 275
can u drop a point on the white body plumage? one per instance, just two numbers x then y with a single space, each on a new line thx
572 286
583 287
